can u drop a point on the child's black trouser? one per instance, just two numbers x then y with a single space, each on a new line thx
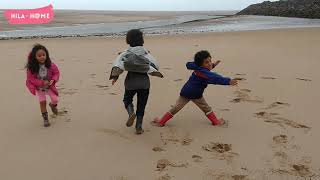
142 99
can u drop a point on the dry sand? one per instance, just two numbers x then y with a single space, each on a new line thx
273 130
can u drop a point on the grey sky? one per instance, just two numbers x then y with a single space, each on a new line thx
147 5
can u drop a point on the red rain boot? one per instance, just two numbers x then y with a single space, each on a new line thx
162 122
215 121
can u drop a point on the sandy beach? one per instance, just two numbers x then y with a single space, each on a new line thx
272 131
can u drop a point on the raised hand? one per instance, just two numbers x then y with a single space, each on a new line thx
114 81
234 82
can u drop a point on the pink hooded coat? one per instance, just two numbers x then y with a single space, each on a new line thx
33 82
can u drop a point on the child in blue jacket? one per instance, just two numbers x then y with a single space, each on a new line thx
195 86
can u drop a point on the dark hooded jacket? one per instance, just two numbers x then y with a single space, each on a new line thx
199 80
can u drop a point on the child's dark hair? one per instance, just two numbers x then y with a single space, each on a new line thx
200 56
33 64
135 38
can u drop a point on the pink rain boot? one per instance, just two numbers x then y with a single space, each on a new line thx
162 122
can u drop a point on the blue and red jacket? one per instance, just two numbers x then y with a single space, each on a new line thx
199 80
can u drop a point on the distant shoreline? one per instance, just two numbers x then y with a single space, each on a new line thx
121 35
111 24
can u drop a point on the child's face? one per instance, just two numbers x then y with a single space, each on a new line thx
207 63
41 56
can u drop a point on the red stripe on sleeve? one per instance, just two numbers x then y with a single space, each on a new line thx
200 74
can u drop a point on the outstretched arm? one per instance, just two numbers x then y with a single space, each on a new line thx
215 78
223 81
115 73
215 64
117 68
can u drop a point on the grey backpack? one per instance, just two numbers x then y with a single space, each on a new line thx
136 63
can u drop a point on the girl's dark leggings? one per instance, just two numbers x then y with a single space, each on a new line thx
142 99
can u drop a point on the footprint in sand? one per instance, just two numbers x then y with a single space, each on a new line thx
221 151
240 74
281 157
164 177
225 124
282 122
167 68
217 147
162 164
301 168
236 100
186 140
281 147
197 158
217 175
283 142
62 112
240 79
242 95
265 115
113 133
224 109
245 90
268 78
177 80
303 79
70 91
172 137
273 118
103 87
157 149
280 139
239 177
277 104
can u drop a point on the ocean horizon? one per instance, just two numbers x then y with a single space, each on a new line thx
155 23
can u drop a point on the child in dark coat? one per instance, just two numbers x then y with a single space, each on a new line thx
139 64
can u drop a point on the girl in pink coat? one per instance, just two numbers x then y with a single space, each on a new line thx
42 76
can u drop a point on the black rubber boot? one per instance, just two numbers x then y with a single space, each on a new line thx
132 115
54 108
139 129
46 122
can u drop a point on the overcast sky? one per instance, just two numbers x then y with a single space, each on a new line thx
147 5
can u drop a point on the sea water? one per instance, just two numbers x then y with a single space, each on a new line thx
178 24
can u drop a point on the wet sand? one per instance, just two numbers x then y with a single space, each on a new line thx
272 131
